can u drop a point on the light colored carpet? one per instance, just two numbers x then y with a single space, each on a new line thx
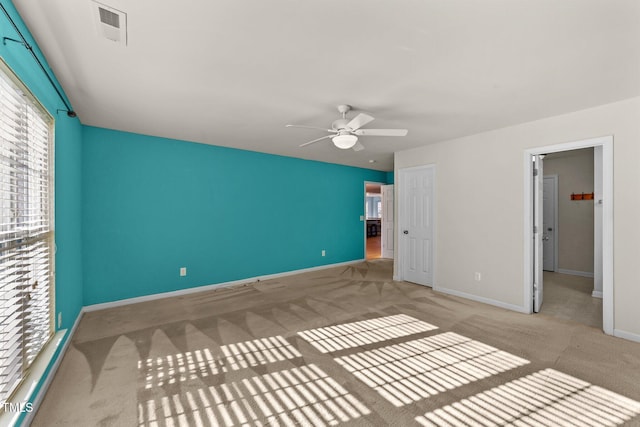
569 297
341 346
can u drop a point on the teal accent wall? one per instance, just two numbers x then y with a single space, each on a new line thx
68 179
68 217
390 177
153 205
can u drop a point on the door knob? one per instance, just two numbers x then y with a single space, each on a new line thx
406 231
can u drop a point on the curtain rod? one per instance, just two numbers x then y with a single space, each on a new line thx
24 42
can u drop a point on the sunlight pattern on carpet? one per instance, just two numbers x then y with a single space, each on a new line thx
547 397
293 397
172 368
414 370
350 335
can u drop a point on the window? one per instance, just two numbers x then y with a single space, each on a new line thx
26 230
374 206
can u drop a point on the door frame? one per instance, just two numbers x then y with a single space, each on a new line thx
605 199
554 177
384 235
401 220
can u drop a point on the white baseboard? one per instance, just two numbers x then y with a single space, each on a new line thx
180 292
596 294
54 368
574 272
626 335
512 307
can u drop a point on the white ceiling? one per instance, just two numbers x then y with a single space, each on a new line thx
234 72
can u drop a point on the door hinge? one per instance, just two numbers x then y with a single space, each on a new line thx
535 172
535 229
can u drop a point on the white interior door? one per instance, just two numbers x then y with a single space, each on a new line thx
416 228
538 197
387 221
549 226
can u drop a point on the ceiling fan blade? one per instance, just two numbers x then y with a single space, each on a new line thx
381 132
311 127
358 146
360 120
315 140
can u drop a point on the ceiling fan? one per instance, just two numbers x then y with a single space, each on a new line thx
345 132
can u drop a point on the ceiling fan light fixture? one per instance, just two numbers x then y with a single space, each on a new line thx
344 141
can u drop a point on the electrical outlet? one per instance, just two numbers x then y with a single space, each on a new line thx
183 271
361 217
477 276
324 252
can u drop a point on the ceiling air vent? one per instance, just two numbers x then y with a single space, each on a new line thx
111 23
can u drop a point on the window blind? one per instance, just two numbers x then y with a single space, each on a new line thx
26 230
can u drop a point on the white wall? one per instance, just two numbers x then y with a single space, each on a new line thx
480 206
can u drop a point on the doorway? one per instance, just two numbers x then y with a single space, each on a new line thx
568 238
379 220
373 219
602 205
